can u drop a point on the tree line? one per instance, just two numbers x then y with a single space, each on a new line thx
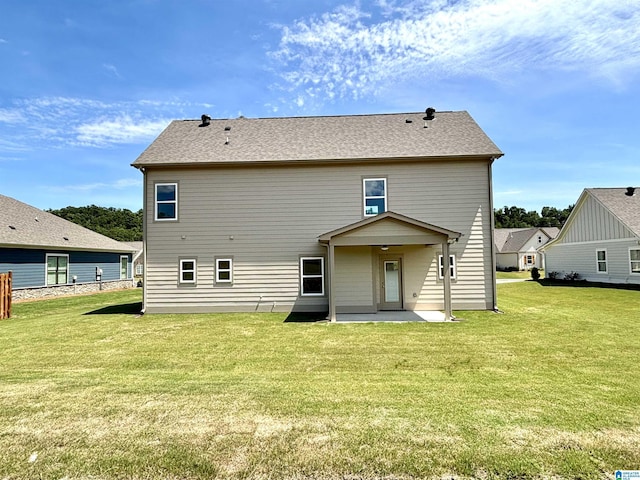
516 217
126 226
118 223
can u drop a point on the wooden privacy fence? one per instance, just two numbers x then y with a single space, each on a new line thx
5 295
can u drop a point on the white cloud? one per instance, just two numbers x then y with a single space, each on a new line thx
58 122
112 70
123 129
348 53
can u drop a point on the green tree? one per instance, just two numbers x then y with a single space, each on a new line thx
117 223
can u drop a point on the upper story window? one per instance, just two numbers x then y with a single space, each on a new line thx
601 261
166 201
375 196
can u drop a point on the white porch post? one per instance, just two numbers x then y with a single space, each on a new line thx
332 266
446 275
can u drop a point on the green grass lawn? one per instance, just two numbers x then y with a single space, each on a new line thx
550 388
513 275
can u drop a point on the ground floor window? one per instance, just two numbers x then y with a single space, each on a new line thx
529 260
124 267
188 271
57 269
601 261
634 260
452 267
224 270
312 276
139 269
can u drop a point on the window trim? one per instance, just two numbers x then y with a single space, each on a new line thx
303 276
533 259
182 271
120 267
46 269
139 269
218 270
605 261
453 268
156 202
385 197
631 272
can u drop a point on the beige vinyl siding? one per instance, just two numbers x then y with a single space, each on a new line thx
593 222
267 217
353 279
581 258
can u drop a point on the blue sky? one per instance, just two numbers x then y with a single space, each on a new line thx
88 84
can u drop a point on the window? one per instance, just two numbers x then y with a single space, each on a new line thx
634 260
375 196
601 261
57 269
529 259
452 267
188 271
224 270
124 267
166 201
312 276
139 269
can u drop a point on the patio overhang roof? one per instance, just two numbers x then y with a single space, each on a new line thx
389 229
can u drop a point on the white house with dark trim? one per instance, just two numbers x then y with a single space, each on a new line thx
357 214
519 248
601 238
49 255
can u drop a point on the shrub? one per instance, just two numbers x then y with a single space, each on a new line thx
553 275
572 276
535 273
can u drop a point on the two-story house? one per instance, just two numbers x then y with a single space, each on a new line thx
353 214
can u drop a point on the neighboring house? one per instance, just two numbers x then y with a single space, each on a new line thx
517 248
601 239
47 254
340 214
138 258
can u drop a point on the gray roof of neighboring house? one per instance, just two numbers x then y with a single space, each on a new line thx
511 240
625 208
22 225
289 139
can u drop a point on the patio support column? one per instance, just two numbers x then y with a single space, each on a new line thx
446 275
332 297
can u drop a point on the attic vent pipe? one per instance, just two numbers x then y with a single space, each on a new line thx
206 120
431 115
630 191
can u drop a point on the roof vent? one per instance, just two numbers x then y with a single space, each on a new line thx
630 192
227 128
12 227
431 115
66 238
206 120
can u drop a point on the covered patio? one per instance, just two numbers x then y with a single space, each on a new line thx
382 280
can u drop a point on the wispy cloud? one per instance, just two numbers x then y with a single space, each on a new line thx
112 69
120 184
56 122
352 52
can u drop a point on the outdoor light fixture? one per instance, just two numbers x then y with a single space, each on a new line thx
384 248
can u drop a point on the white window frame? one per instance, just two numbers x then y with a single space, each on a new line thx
139 269
365 196
120 267
631 262
183 270
46 269
157 202
221 270
526 259
303 276
605 261
452 267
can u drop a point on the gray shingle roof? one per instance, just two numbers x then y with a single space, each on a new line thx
625 208
22 225
288 139
511 240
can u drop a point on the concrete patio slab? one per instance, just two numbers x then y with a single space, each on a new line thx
391 316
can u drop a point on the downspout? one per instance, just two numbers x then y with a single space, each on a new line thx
144 240
330 266
492 242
